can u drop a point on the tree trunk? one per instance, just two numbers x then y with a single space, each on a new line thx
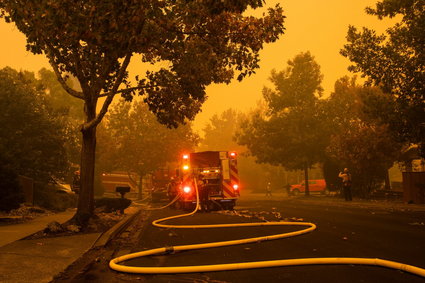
85 207
307 190
140 186
387 180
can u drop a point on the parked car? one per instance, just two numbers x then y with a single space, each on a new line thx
314 186
60 186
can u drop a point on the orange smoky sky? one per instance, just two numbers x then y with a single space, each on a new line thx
311 25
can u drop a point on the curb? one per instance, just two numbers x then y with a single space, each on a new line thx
105 237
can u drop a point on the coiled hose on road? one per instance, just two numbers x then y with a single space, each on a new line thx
114 263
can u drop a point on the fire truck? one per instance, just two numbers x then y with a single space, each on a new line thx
219 172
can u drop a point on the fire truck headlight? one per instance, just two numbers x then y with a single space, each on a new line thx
187 189
235 187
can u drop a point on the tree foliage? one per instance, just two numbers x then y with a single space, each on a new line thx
58 98
32 135
71 110
220 130
395 61
289 131
132 140
350 101
94 41
296 86
359 141
368 150
11 195
220 135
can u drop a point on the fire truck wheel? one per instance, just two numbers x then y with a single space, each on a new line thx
230 206
211 206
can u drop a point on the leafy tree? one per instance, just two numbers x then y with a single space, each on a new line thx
200 42
32 135
359 141
58 98
70 107
133 140
350 101
396 63
11 195
290 132
219 132
368 150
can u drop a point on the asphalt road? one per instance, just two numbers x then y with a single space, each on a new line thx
390 231
358 229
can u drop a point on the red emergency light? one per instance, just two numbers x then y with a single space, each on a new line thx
235 187
233 154
185 156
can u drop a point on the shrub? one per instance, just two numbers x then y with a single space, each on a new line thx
11 195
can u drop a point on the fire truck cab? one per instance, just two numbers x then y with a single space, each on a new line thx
219 173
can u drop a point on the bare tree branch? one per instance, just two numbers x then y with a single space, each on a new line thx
124 90
81 78
110 97
106 65
61 80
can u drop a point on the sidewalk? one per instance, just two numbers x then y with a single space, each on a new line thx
13 232
38 261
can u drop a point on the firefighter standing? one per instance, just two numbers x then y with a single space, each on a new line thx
346 183
203 193
288 189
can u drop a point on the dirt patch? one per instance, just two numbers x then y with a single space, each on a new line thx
23 214
100 223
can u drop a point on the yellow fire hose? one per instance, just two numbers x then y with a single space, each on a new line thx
114 263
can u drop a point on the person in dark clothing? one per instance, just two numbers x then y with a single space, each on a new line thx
203 193
346 183
288 189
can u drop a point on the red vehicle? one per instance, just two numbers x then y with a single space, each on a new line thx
314 186
219 172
